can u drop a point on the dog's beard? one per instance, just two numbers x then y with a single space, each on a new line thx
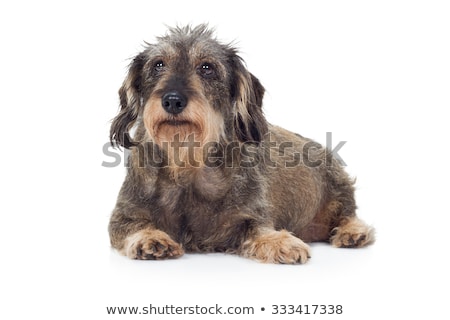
182 143
177 130
183 137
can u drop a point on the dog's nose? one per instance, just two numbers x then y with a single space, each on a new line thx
173 102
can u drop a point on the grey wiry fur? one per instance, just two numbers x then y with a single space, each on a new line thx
232 190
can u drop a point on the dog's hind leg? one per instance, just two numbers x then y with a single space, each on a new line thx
352 233
347 230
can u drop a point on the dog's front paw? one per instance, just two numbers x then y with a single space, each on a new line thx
151 245
353 233
273 246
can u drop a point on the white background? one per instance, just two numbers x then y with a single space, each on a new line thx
376 75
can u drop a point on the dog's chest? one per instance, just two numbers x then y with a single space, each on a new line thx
195 214
208 211
188 217
196 197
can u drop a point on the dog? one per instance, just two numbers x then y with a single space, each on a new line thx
208 173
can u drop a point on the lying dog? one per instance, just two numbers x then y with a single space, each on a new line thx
208 173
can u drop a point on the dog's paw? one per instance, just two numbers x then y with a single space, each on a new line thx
353 233
273 246
151 245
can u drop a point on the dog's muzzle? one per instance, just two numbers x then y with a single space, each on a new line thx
174 102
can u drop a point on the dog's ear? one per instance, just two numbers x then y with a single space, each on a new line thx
130 94
247 94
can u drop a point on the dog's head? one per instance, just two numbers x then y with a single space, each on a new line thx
189 84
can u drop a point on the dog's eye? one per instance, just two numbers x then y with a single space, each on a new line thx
207 70
159 66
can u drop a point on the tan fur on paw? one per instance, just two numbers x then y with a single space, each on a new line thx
151 245
272 246
353 233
